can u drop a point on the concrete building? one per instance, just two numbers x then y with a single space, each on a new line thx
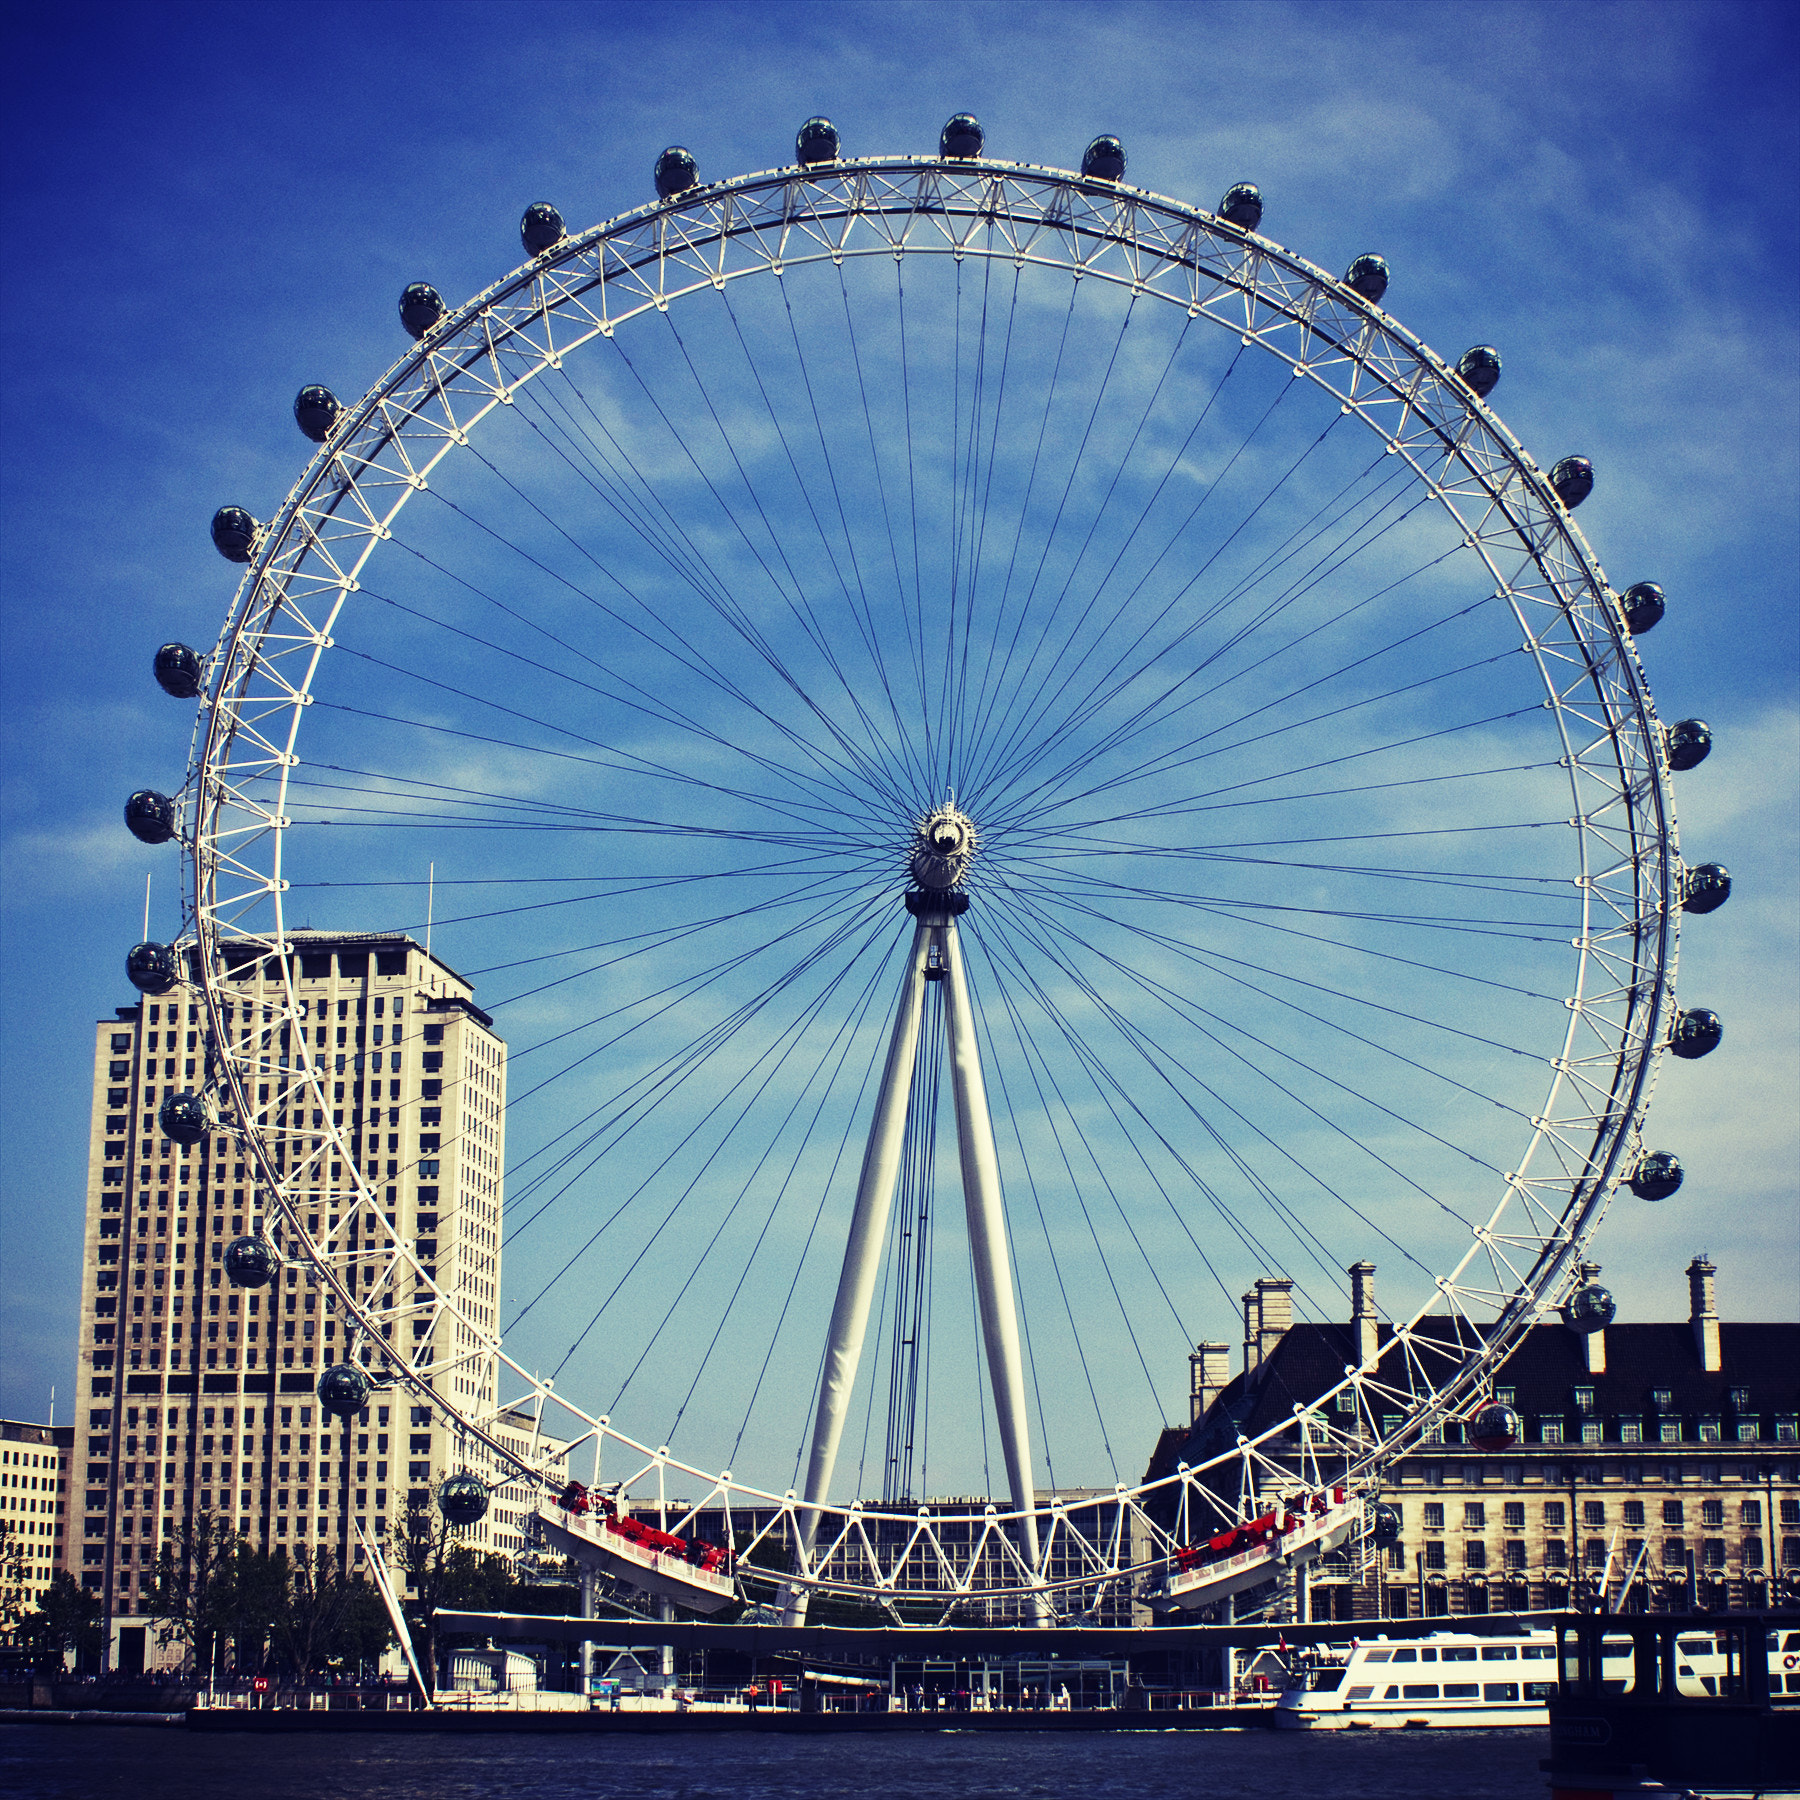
1660 1462
198 1399
34 1498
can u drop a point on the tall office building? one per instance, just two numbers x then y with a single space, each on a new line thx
197 1398
34 1495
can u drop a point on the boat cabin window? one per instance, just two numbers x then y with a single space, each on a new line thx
1460 1653
1462 1690
1380 1656
1406 1656
1501 1690
1538 1653
1499 1653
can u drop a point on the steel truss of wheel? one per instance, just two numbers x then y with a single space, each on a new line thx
305 567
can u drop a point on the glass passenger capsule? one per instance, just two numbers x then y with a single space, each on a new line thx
1243 205
1368 275
1706 889
541 227
344 1390
816 142
421 307
1690 743
1573 480
151 968
1698 1032
186 1117
1104 159
676 172
1591 1307
1387 1525
1644 606
1479 369
1494 1428
150 816
177 670
234 533
961 137
316 411
462 1499
1657 1177
251 1262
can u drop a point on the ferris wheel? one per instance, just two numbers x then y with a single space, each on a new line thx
922 674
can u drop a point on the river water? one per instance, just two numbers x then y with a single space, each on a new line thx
75 1762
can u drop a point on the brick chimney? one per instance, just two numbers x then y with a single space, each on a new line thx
1275 1313
1209 1369
1703 1312
1252 1329
1363 1326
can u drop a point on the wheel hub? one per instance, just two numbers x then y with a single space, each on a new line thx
944 845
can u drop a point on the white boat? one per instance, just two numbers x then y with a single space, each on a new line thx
1450 1678
1250 1554
654 1562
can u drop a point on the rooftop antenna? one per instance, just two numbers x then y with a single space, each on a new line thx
146 936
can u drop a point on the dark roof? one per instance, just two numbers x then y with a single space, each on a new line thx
1543 1371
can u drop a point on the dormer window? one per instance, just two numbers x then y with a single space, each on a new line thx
1662 1398
1740 1399
1506 1396
1584 1399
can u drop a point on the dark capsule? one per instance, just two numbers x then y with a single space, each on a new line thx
1479 369
152 968
1644 606
1697 1033
177 671
344 1390
816 142
1104 159
233 533
462 1499
961 138
1387 1525
676 172
1573 480
186 1117
1591 1308
1368 275
541 227
1494 1428
1243 205
150 816
1690 743
421 307
316 411
1706 889
250 1262
1657 1177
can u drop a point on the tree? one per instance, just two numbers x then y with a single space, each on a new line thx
15 1564
195 1592
68 1617
439 1571
327 1613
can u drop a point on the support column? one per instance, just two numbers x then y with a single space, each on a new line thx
862 1255
987 1239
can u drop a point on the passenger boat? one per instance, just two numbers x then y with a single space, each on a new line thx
1247 1555
1450 1678
592 1530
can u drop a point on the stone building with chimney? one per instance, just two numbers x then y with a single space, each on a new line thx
1657 1463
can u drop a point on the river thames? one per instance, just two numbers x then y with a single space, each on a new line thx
72 1762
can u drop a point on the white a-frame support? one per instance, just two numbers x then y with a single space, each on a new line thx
868 1235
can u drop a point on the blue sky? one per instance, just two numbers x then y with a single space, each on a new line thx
206 208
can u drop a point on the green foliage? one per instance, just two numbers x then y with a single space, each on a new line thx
68 1617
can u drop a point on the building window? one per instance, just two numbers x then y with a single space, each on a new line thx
1515 1553
1474 1516
1669 1431
1662 1398
1556 1553
1434 1515
1515 1515
1740 1399
1787 1429
1674 1554
1590 1431
1673 1513
1747 1431
1753 1553
1346 1401
1712 1552
1790 1512
1553 1514
1634 1512
1584 1399
1709 1431
1790 1552
1474 1554
1750 1513
1712 1512
1593 1512
1550 1431
1434 1553
1631 1431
